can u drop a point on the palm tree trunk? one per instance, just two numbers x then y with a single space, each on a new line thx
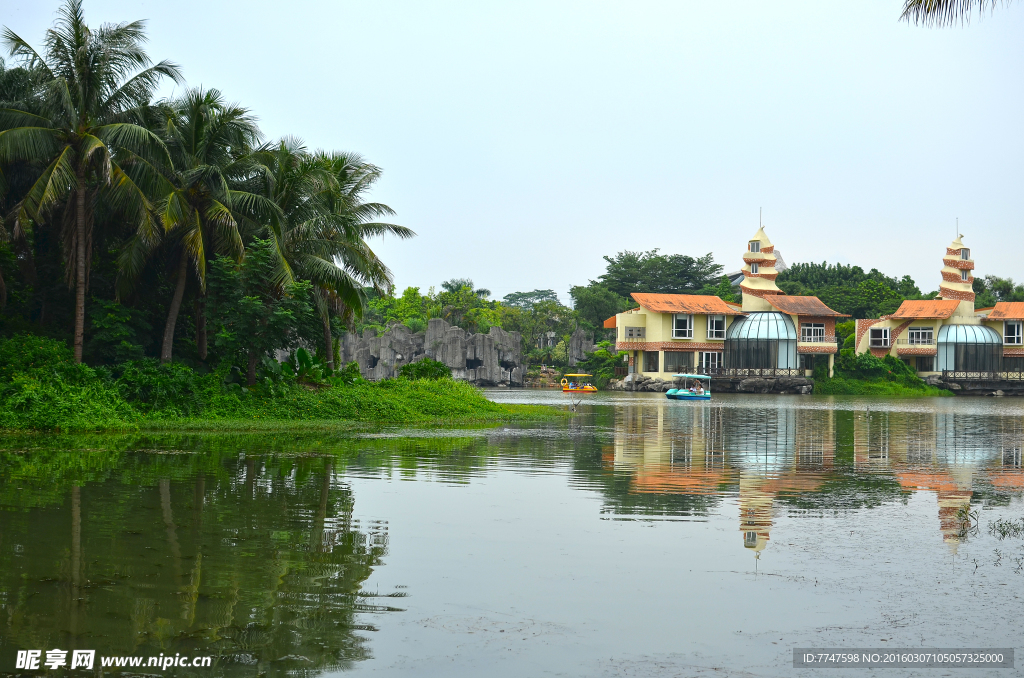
79 263
201 343
172 314
328 342
250 375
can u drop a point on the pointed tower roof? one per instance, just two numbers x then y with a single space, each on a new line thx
957 273
763 237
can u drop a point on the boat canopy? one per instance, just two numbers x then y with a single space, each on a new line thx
691 376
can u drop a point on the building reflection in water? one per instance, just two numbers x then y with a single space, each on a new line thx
764 455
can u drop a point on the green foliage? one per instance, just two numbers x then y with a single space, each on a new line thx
527 300
629 272
306 368
425 368
864 374
846 329
848 289
254 316
168 390
724 290
595 303
118 332
602 363
992 289
41 387
347 375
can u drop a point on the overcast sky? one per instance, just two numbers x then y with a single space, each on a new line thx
524 140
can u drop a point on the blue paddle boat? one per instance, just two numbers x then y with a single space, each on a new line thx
695 391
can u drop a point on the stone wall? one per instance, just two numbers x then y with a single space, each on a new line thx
482 359
638 382
978 387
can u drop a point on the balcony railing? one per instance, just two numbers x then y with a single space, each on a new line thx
817 339
907 341
751 372
961 375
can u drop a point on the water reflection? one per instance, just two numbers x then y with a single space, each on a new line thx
254 560
853 457
249 549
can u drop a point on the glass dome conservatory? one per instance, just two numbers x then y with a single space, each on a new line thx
760 341
969 348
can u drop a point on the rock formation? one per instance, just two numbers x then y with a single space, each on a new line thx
482 359
580 344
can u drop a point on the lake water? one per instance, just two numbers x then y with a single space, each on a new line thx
639 537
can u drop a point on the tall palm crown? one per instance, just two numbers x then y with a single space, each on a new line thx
325 222
90 90
204 210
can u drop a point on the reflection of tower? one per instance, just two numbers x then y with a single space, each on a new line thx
756 498
952 489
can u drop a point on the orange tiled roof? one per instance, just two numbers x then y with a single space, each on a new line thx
801 305
609 324
926 308
1007 310
684 303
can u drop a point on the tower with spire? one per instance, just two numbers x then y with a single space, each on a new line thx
759 273
958 277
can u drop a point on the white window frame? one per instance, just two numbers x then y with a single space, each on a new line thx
812 332
686 332
710 359
921 336
965 253
964 274
1013 332
754 268
716 333
754 246
883 340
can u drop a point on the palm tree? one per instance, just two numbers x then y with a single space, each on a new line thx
209 142
92 89
943 12
322 235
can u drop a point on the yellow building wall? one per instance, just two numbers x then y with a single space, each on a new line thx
658 328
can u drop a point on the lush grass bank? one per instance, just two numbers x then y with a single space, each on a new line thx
865 374
41 388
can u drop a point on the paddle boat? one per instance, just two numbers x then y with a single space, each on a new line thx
696 391
576 386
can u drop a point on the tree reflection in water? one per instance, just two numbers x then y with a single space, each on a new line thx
259 565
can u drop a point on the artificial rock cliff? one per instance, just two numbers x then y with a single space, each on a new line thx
483 359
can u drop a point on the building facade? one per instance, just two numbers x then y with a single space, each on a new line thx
769 333
947 334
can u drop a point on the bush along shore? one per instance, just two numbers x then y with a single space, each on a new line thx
43 388
865 374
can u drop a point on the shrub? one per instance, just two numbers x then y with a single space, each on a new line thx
41 387
425 368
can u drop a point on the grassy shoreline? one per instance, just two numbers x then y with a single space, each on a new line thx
43 389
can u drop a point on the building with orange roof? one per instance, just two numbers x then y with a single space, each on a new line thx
947 333
673 333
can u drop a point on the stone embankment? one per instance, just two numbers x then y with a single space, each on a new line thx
491 359
637 382
978 387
